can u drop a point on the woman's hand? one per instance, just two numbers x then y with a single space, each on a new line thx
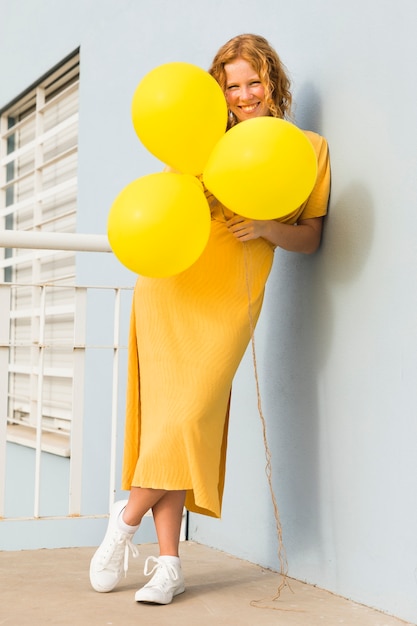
245 229
304 237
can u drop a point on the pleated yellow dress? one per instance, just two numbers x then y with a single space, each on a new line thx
188 335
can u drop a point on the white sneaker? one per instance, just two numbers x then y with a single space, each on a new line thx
111 558
167 581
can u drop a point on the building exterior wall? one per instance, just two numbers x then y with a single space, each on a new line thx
336 342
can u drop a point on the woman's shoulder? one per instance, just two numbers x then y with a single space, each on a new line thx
317 140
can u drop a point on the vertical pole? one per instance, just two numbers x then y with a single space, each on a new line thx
5 293
77 423
39 399
115 396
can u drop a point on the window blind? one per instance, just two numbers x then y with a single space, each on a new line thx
38 191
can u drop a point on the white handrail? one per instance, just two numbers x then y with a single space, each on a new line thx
75 242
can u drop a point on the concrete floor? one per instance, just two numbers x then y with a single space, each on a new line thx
52 587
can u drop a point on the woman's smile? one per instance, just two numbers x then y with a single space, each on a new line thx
249 108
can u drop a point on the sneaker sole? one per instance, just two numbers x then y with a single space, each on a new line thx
153 601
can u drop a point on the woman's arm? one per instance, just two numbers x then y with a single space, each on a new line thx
303 237
306 235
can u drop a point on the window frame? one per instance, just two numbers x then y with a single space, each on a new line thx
38 192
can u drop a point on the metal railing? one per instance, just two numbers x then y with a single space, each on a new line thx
77 478
73 242
76 242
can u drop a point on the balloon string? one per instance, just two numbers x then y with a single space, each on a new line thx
282 557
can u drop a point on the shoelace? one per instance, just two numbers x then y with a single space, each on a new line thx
135 553
159 566
120 541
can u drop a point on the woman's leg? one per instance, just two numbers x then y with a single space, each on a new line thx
167 514
140 501
167 508
168 579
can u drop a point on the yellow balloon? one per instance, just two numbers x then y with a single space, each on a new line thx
159 224
263 168
179 113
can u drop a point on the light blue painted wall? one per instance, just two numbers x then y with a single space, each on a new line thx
336 342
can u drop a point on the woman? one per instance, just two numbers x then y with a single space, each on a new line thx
188 335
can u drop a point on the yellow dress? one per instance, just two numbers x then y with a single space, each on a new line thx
188 334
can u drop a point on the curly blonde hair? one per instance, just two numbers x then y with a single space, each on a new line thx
266 62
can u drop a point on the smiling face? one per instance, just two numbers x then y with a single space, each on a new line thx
245 93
